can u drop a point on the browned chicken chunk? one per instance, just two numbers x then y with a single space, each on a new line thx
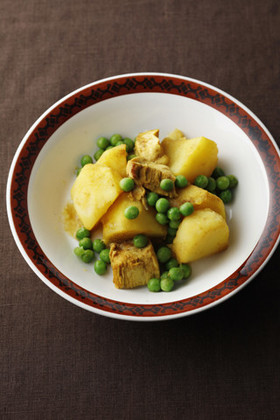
133 267
147 146
139 193
150 174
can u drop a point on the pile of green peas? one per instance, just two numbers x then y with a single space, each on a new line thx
167 215
105 143
87 249
218 183
172 273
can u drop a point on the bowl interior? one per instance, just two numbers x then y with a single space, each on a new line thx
54 172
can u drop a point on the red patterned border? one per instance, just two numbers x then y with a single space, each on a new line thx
124 85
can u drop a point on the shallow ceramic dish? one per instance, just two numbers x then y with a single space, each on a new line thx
42 173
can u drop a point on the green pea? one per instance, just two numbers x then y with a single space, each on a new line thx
186 268
154 285
98 153
119 143
86 243
162 205
164 275
201 181
171 231
163 254
233 181
152 198
100 267
226 196
181 181
129 157
102 143
129 144
171 263
166 184
109 147
174 213
176 273
115 138
217 172
222 182
85 160
82 233
211 184
104 255
140 241
127 184
166 284
161 218
88 256
174 224
131 212
98 245
186 209
79 251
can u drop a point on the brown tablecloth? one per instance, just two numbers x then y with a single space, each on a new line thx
58 361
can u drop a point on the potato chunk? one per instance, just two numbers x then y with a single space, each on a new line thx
200 199
93 192
176 134
115 158
201 234
133 267
193 157
116 227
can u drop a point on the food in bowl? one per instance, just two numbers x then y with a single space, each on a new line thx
160 205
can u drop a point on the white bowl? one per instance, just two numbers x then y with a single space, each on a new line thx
42 173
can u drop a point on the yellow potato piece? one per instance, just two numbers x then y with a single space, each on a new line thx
176 134
116 227
201 234
193 157
115 158
200 199
93 192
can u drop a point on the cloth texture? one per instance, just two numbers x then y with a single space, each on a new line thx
59 361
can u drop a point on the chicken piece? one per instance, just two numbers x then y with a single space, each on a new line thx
139 193
150 174
147 146
133 267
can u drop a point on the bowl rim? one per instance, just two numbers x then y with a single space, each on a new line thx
123 84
